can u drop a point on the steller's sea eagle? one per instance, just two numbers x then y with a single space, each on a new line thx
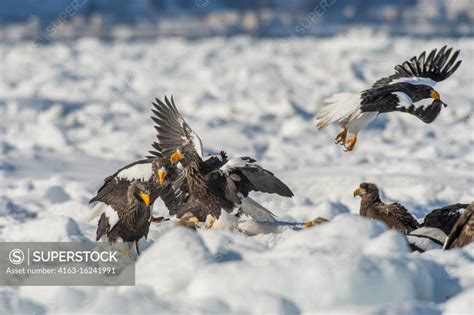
462 232
409 90
394 215
225 185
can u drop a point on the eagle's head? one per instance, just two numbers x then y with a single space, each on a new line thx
139 193
160 169
366 189
422 92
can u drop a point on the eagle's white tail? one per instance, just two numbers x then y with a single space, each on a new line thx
98 209
109 212
338 108
256 211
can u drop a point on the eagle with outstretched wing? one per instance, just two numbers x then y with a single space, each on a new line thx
214 183
409 90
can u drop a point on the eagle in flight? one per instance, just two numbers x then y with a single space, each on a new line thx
410 90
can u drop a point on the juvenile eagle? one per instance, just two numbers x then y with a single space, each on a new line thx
223 186
394 215
404 91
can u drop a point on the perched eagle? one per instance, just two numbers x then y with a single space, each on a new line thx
463 231
212 187
129 218
394 215
409 90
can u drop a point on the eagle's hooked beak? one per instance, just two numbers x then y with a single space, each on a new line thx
145 197
358 192
162 175
435 95
177 156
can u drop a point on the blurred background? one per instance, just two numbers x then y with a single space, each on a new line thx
55 19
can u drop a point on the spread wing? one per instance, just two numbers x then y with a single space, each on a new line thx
213 162
383 101
173 132
243 175
115 187
156 153
438 66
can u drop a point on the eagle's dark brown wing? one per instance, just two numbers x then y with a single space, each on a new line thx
438 66
463 231
396 216
116 185
133 224
156 152
248 176
382 99
173 132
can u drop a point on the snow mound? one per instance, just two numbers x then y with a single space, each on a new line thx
461 304
51 229
172 261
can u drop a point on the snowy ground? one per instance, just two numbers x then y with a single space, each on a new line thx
72 113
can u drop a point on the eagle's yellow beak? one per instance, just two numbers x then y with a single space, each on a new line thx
358 192
145 197
162 176
435 95
177 156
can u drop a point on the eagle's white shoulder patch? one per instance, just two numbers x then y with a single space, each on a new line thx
142 172
236 163
404 99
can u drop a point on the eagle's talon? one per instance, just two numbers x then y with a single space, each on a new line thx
350 144
127 253
341 137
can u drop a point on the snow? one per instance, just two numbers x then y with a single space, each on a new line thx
74 112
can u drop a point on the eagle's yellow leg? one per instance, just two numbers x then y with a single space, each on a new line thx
350 144
341 137
128 253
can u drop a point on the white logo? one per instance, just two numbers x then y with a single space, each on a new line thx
16 256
